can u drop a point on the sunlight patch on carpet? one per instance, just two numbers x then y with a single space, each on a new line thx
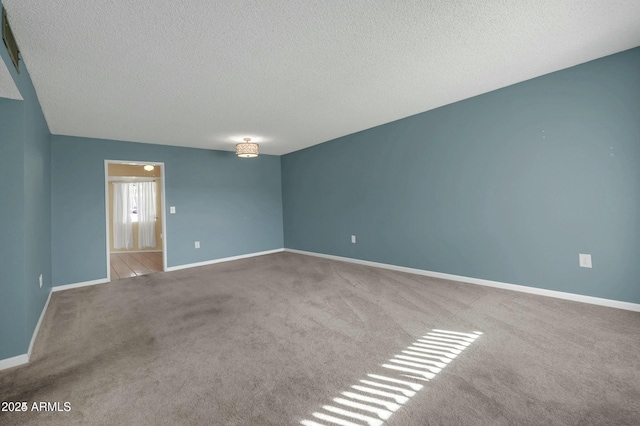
374 399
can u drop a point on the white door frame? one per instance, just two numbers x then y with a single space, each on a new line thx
107 207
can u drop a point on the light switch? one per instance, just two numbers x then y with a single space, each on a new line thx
172 209
585 260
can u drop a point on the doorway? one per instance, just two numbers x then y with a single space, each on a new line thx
135 222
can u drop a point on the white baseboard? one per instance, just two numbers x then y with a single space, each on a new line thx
478 281
171 268
135 251
13 361
24 358
76 285
224 259
35 332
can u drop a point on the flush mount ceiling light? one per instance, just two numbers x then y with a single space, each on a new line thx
247 149
149 167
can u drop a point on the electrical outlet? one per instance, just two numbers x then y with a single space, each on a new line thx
172 209
353 239
585 260
40 280
197 244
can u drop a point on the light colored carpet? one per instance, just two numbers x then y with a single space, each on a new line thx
271 340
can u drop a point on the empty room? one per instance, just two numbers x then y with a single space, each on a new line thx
337 213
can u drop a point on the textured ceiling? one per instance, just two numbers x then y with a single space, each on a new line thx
291 73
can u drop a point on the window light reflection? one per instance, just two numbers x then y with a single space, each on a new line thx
378 396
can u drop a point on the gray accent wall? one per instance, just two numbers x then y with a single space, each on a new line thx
508 186
232 206
25 214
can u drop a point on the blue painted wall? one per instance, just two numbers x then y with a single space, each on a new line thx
232 206
37 207
12 303
25 224
508 186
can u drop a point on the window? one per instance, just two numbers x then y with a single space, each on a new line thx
133 194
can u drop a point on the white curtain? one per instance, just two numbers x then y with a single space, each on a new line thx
146 214
122 228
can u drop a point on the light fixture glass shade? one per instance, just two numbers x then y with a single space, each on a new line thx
247 149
